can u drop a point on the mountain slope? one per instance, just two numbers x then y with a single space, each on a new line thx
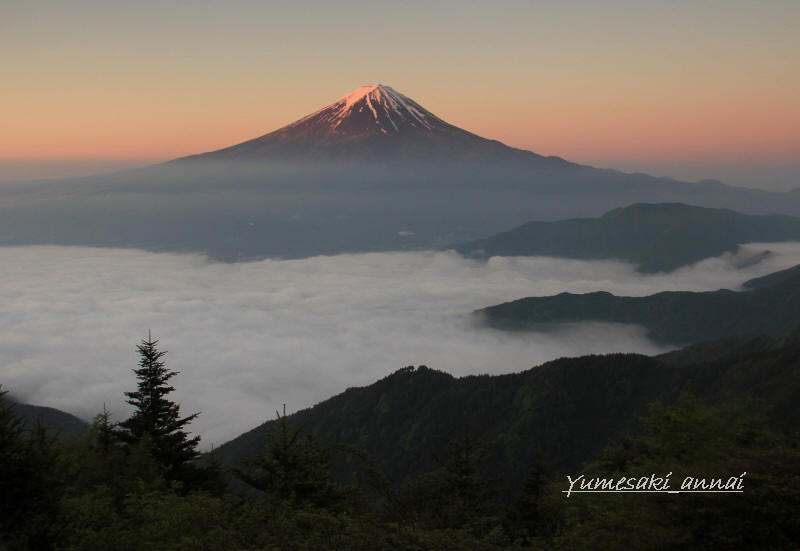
657 237
563 411
59 422
673 317
372 123
772 279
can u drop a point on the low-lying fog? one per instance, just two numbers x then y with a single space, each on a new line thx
248 337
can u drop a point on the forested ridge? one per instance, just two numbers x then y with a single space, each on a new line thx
562 412
471 463
657 237
61 422
769 304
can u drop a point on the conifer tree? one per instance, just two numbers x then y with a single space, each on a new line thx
30 481
465 494
155 417
293 470
14 451
525 519
104 431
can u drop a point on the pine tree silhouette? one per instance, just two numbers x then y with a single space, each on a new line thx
155 417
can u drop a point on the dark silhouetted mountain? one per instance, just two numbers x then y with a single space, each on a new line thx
563 411
773 278
771 306
657 237
58 422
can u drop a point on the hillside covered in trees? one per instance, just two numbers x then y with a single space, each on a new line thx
769 304
58 422
561 413
422 460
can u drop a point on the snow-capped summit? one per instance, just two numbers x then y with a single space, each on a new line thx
371 109
373 122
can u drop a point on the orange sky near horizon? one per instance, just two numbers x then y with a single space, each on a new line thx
712 82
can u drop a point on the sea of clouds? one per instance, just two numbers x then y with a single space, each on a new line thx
248 337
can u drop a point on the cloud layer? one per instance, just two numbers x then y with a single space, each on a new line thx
248 337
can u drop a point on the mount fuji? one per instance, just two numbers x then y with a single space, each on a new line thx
372 171
373 123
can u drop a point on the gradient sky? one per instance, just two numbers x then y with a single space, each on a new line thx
691 89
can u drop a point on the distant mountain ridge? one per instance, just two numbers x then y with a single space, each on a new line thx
59 422
772 279
769 305
657 237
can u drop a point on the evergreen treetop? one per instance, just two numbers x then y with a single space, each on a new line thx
155 417
293 470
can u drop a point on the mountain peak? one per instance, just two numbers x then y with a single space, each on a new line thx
355 95
376 108
375 92
373 122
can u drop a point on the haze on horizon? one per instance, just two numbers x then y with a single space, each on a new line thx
686 90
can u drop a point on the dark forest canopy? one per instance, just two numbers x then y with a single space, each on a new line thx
562 412
421 460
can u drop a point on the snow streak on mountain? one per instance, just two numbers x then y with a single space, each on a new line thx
370 110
